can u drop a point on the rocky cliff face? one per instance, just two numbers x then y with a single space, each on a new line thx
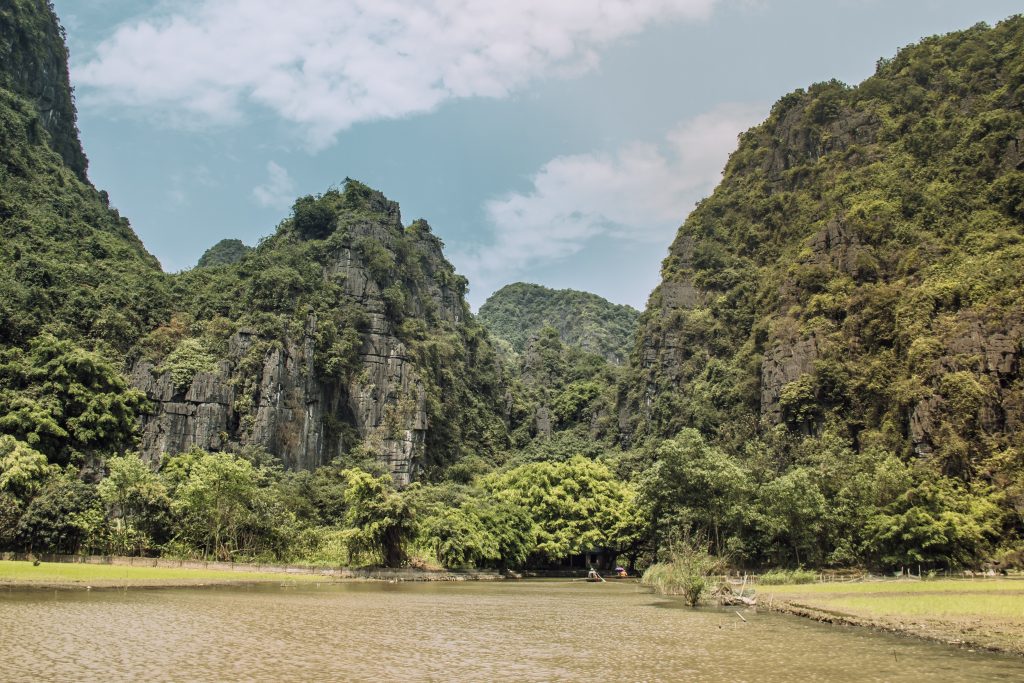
356 367
35 66
69 263
860 267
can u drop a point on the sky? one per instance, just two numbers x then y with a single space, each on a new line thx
561 143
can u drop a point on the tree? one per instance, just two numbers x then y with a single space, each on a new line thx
694 489
458 537
381 518
65 401
573 505
23 470
188 359
937 522
213 499
63 518
136 502
480 531
313 218
792 509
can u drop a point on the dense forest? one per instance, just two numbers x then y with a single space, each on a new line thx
517 313
828 375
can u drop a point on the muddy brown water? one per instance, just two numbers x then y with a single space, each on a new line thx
522 631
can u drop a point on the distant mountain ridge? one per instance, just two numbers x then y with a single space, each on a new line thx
224 253
519 311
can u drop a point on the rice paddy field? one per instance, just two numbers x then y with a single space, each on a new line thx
984 613
15 573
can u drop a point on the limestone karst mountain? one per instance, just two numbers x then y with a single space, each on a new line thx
35 66
860 269
344 330
69 263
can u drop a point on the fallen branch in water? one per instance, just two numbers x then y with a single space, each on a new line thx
726 597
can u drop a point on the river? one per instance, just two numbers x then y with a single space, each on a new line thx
521 631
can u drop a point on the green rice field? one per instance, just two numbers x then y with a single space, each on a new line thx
47 573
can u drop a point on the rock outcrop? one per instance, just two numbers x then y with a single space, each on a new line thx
858 269
35 66
277 392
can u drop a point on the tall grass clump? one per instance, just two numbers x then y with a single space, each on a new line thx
778 577
686 574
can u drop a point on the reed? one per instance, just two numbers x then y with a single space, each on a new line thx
687 574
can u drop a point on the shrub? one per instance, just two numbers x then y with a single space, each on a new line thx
686 574
313 219
187 360
777 577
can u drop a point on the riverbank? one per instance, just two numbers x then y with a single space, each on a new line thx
983 614
102 573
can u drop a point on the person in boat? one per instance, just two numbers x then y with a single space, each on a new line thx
592 575
621 572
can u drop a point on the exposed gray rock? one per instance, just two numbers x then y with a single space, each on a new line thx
836 246
784 362
290 410
543 421
990 350
34 58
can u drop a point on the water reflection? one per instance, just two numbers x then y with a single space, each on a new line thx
508 631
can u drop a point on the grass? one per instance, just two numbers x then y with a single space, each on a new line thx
787 576
942 605
986 612
686 574
905 586
47 573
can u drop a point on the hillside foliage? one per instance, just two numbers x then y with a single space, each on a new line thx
518 312
845 311
830 373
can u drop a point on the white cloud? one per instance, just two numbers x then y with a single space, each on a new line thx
641 192
327 64
279 190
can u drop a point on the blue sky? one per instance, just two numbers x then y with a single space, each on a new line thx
553 142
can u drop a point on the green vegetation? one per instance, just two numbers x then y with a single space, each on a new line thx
228 507
66 402
687 573
518 312
224 253
381 519
35 67
840 323
294 289
48 573
980 612
829 374
560 400
69 264
787 576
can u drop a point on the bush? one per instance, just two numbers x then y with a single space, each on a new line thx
313 219
686 574
187 360
778 577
